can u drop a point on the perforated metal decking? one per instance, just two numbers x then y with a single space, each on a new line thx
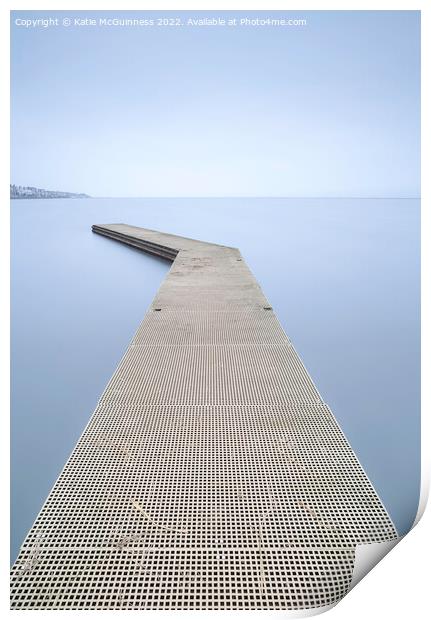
211 474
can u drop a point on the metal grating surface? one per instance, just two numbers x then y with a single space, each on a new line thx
211 475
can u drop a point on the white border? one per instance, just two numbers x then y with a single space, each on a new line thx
397 587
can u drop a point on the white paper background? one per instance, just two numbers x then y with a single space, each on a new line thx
398 586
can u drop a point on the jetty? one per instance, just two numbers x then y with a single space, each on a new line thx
212 474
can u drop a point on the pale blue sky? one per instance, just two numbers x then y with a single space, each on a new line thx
329 109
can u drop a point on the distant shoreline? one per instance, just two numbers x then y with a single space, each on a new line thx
28 192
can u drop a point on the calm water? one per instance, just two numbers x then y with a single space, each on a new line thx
342 275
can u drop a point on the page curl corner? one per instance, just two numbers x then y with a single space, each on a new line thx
367 556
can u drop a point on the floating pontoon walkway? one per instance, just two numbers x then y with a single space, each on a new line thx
211 475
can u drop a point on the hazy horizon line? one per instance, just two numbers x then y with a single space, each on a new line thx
235 196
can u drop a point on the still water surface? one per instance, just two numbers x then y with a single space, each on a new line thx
341 274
